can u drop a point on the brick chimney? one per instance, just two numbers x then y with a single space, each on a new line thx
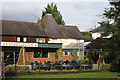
38 22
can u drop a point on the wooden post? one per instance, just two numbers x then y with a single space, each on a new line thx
79 61
14 57
39 66
0 66
99 61
90 56
23 56
3 68
14 62
79 54
95 57
61 67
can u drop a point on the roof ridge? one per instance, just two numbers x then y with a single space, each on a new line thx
17 21
68 25
60 28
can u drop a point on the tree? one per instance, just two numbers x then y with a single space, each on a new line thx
58 55
87 36
52 9
113 45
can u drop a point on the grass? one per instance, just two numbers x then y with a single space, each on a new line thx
73 75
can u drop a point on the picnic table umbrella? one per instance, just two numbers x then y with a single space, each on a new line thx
22 60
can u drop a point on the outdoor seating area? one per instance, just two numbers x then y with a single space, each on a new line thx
60 39
61 65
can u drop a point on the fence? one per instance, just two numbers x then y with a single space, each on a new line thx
58 66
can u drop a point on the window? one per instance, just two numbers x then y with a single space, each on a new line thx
18 39
40 40
24 39
43 54
85 53
37 54
9 57
81 49
67 53
21 39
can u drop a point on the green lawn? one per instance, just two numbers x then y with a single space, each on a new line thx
74 75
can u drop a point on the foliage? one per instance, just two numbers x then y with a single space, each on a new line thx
87 36
11 68
105 67
86 60
115 66
86 39
87 33
112 46
94 56
74 55
73 70
57 54
38 71
52 9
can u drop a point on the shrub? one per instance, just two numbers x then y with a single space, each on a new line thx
9 68
65 70
105 67
42 71
115 67
19 68
73 70
38 71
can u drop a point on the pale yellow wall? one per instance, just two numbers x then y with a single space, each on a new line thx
64 41
68 41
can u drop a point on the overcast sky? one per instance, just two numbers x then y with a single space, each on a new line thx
82 13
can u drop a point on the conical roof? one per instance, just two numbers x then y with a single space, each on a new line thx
51 27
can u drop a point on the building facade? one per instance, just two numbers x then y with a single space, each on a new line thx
41 40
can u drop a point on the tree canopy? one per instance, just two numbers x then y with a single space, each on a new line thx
52 9
87 36
113 29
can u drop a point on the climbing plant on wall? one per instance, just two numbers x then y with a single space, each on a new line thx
58 54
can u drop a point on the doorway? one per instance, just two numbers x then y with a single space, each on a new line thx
10 58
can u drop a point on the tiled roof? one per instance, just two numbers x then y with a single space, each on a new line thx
71 32
20 28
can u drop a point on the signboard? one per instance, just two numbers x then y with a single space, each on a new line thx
19 44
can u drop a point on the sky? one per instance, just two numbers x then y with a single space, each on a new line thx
82 13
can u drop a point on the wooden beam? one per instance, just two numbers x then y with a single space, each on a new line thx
90 56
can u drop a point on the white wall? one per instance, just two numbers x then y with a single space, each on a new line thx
95 35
